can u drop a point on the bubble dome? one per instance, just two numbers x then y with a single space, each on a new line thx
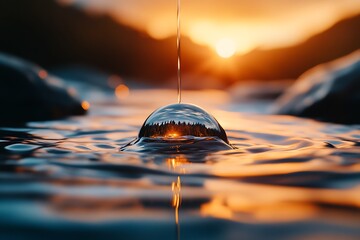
178 120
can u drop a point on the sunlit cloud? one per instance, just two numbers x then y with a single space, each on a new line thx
250 24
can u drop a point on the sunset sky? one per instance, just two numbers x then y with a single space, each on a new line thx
230 25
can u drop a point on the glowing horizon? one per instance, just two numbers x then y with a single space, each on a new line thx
250 25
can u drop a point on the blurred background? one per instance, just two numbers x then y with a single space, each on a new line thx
224 42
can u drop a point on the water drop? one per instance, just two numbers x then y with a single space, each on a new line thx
180 120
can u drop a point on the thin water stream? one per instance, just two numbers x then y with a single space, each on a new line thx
179 48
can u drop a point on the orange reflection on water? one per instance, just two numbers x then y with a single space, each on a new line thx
238 208
243 208
177 163
216 208
245 202
176 201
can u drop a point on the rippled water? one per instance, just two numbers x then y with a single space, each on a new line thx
287 178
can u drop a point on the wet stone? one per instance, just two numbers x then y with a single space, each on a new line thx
329 92
30 93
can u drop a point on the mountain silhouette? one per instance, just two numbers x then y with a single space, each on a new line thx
54 35
51 34
290 62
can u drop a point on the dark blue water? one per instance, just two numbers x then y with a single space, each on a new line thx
286 178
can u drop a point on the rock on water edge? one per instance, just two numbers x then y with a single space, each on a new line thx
29 93
329 92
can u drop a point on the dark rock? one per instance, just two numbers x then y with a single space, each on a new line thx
29 93
329 92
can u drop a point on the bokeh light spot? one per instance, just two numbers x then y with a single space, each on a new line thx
85 105
122 92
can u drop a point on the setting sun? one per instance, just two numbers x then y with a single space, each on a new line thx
226 48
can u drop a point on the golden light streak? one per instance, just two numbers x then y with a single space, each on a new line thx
176 201
176 164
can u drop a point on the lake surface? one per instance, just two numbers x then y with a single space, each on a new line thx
286 178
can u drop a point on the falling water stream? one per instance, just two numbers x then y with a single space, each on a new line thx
176 186
179 48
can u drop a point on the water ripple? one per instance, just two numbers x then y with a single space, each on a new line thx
280 177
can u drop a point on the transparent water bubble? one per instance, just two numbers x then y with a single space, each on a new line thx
180 120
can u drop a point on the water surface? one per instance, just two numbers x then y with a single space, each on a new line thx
286 178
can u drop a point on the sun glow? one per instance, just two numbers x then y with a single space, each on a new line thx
251 24
226 47
172 135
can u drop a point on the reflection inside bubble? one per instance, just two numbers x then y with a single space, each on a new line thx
178 120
